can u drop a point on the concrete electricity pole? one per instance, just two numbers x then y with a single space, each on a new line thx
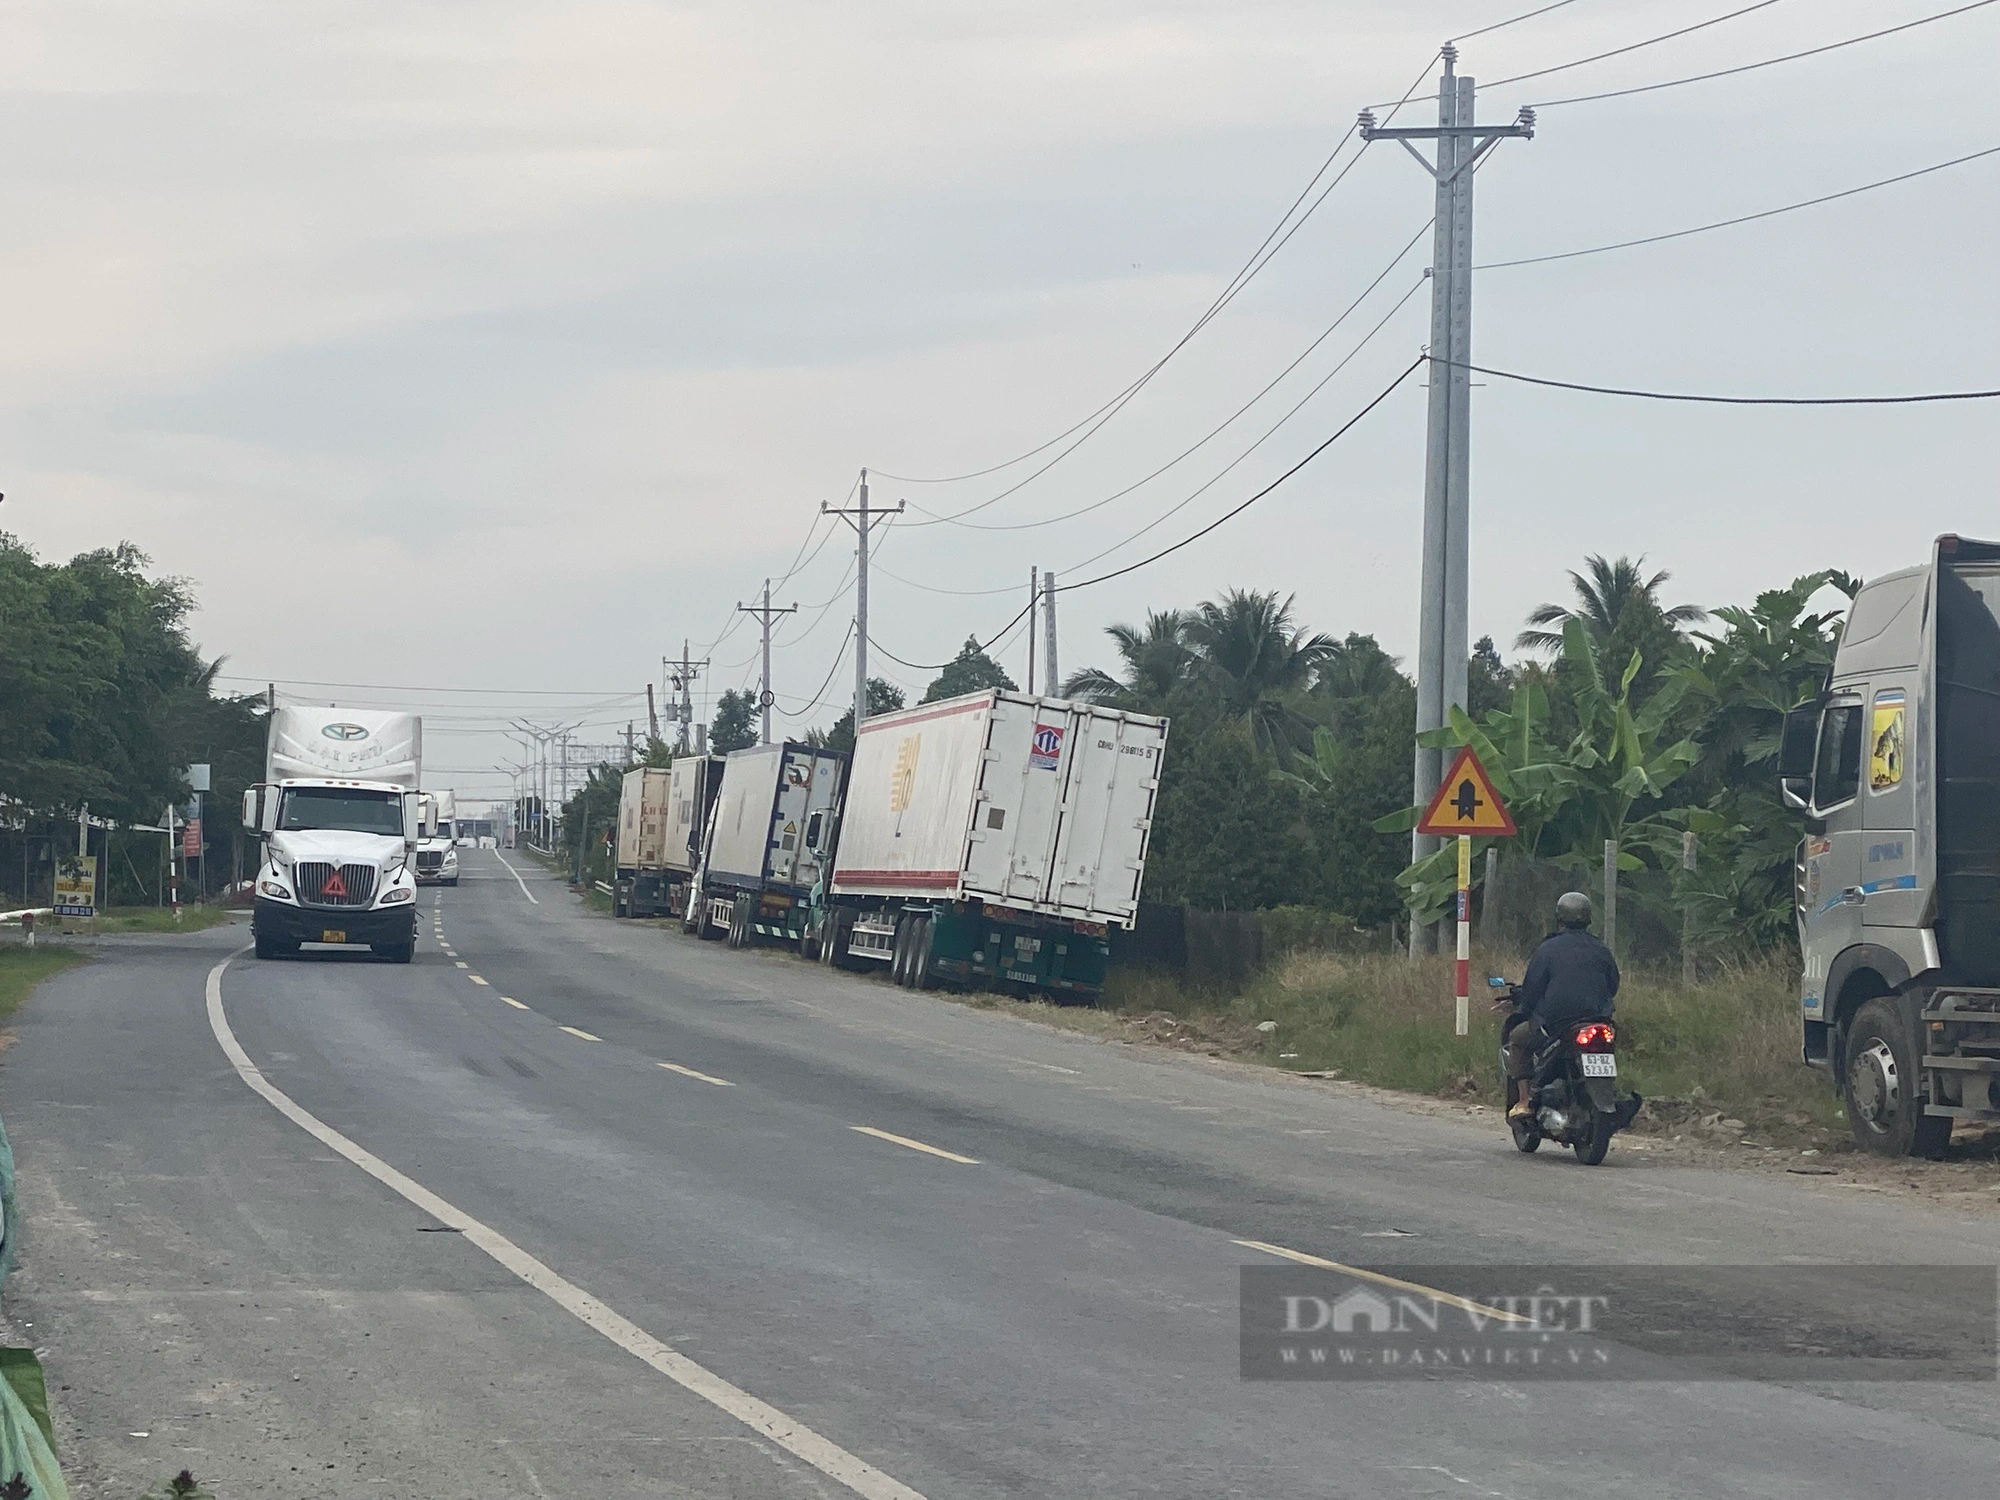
1443 644
765 614
1034 598
1049 638
683 684
859 520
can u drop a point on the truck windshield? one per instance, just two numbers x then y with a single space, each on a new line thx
342 808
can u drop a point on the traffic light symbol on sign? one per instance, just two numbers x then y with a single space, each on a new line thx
1466 802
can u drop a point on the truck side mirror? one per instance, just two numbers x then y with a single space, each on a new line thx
1796 792
413 820
253 808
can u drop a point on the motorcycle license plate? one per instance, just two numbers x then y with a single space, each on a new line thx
1599 1064
332 935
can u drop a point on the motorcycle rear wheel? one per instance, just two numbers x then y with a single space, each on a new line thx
1590 1150
1526 1136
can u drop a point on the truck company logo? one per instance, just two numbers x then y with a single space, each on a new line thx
903 780
1046 752
344 732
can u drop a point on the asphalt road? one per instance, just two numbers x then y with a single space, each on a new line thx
647 1217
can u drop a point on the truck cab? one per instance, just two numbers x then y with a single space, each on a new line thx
1896 767
437 839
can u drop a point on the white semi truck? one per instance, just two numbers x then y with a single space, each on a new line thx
437 839
339 813
768 840
1896 767
994 838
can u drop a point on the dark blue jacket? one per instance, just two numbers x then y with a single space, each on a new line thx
1572 977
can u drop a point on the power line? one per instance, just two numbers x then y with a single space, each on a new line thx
1213 432
1654 239
1769 62
1344 429
1651 41
1513 21
839 659
1229 515
1259 258
1612 390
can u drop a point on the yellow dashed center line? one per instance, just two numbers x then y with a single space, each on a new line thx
903 1140
691 1073
1379 1279
573 1031
513 1002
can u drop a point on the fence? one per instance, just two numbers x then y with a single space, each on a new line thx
131 863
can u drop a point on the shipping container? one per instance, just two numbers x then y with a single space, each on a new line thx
993 837
639 886
766 843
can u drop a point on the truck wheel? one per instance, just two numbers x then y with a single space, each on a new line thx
690 914
739 923
843 935
1881 1088
919 967
705 927
809 940
899 953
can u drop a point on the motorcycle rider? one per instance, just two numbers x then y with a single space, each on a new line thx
1571 978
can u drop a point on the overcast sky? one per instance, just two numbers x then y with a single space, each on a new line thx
502 346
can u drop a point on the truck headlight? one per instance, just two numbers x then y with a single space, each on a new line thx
397 894
276 890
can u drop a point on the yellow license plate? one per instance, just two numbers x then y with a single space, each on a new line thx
332 935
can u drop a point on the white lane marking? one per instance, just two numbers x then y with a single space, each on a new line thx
475 979
690 1073
573 1031
1376 1276
517 877
515 1003
793 1436
903 1140
461 962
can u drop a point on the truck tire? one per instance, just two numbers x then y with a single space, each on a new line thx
1880 1087
739 922
918 972
843 934
899 953
705 927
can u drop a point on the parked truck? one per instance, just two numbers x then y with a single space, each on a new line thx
339 814
992 838
1896 766
437 839
766 844
693 784
639 879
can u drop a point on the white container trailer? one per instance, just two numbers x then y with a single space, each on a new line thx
639 885
995 836
767 842
692 786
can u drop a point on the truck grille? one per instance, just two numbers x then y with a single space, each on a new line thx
355 886
430 859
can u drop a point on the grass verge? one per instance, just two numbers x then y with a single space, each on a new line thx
1719 1060
147 919
22 968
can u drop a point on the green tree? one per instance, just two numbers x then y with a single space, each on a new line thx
1618 605
883 698
968 672
1156 658
1258 662
735 722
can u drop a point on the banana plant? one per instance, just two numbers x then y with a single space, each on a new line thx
1566 800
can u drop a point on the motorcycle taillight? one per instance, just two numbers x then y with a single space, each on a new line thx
1596 1036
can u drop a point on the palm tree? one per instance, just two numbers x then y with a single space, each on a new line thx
1157 660
1255 657
1613 595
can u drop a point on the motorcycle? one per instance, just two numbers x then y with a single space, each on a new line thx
1573 1085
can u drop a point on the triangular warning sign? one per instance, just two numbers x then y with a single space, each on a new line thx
1466 802
334 886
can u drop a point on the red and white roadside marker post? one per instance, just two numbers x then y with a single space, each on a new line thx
1466 804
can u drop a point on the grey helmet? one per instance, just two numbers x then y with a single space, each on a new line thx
1573 910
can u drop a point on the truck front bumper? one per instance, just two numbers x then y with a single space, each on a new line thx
281 922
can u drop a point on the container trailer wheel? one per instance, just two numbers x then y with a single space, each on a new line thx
922 934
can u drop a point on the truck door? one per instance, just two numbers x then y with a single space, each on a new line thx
1889 853
1834 899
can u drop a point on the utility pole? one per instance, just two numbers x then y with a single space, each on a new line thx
631 755
859 519
683 685
1443 644
1034 598
652 715
765 614
1049 642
